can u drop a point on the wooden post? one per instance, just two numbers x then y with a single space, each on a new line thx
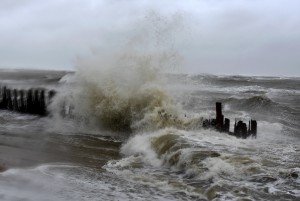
226 125
206 123
22 102
244 130
36 102
15 100
51 94
253 128
9 100
3 104
219 116
29 102
32 101
241 130
42 103
249 131
213 123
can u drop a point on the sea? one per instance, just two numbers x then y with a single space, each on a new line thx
136 134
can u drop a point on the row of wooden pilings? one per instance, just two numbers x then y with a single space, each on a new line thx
31 101
223 125
35 101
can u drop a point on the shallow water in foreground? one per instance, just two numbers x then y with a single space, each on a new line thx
42 159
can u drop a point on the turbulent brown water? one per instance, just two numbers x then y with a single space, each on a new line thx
138 136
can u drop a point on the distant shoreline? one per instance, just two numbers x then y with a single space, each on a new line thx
38 70
12 70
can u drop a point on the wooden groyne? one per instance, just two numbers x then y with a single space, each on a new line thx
32 101
221 124
35 101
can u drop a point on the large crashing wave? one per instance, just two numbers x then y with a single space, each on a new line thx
123 89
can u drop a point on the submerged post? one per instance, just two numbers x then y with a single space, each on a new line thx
226 125
253 129
240 130
51 94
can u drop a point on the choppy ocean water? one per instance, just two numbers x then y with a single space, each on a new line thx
116 141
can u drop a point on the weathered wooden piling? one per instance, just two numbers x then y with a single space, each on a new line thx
226 126
240 128
36 101
42 104
29 102
253 130
22 107
219 116
15 100
32 101
9 99
51 94
206 123
3 104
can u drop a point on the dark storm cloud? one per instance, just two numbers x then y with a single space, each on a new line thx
221 37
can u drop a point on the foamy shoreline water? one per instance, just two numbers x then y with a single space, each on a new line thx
54 158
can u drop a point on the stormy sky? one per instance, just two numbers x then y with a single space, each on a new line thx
247 37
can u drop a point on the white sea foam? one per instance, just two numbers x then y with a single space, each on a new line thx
68 182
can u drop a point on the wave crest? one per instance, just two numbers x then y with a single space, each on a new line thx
123 89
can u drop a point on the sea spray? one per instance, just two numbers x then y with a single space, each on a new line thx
123 89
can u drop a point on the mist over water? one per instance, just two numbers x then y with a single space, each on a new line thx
122 128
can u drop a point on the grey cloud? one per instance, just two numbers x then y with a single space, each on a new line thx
220 37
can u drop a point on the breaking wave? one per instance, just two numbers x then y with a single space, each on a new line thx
124 89
173 149
253 103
